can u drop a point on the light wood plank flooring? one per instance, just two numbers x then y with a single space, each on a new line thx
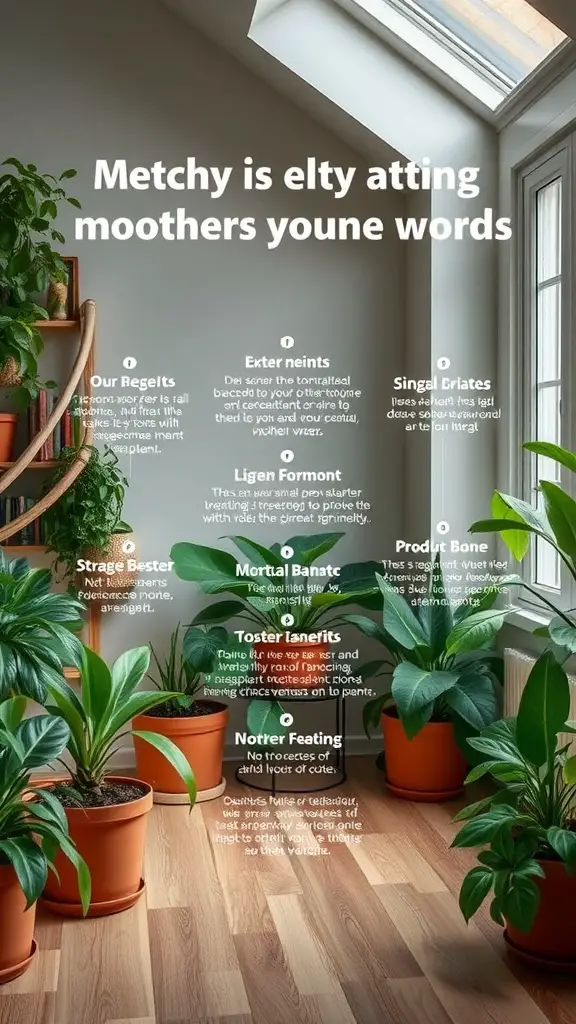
370 934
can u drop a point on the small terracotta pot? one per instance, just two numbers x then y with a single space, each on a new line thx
111 841
298 666
8 423
552 938
119 582
201 740
429 767
17 931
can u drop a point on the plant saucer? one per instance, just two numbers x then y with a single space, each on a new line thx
63 909
11 973
421 796
541 962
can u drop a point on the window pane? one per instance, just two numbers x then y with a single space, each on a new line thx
547 562
548 203
547 566
548 330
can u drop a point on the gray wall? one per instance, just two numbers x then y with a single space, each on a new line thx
129 81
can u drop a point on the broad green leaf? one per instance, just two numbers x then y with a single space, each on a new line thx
366 626
96 687
29 863
561 511
569 770
200 647
399 619
415 688
520 904
220 611
554 452
435 614
484 599
308 549
474 889
43 738
372 712
212 569
128 671
263 718
563 842
12 712
477 630
544 708
256 554
474 699
174 756
562 634
483 828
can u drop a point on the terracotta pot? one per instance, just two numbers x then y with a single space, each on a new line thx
17 931
111 841
10 376
285 665
8 423
201 740
119 582
429 767
553 935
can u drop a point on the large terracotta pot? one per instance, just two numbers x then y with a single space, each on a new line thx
119 582
285 665
17 946
201 740
8 423
429 767
111 841
552 938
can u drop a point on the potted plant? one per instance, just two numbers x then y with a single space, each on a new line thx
196 726
443 683
37 630
33 827
29 203
292 618
106 813
527 827
85 524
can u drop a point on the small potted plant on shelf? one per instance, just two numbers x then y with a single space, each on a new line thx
33 828
29 203
443 683
274 586
37 630
527 827
85 524
197 726
106 813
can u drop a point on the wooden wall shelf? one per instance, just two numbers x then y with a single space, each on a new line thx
23 547
48 464
57 325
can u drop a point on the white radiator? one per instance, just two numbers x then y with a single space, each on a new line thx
517 667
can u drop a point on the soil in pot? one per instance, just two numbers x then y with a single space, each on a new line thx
292 666
429 767
17 927
8 423
109 830
198 731
552 938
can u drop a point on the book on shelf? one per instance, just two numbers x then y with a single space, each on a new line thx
11 508
65 432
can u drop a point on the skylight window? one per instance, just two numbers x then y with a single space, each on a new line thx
487 46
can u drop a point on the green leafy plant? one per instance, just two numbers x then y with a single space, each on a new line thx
188 662
89 512
37 630
33 831
273 587
29 203
530 818
440 665
98 717
554 524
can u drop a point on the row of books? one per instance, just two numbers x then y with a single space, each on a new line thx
12 508
61 437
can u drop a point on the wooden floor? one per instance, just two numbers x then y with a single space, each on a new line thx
370 934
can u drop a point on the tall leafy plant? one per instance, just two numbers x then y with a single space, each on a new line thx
29 202
188 662
37 630
99 716
530 818
440 666
33 831
89 512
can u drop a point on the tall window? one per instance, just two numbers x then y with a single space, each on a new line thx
545 339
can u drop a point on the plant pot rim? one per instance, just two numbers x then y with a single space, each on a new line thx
183 725
179 718
11 973
115 812
391 713
64 909
8 417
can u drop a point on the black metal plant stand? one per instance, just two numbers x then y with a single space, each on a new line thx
339 756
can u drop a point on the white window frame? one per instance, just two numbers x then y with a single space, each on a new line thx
557 162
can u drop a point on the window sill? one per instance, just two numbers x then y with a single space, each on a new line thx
527 618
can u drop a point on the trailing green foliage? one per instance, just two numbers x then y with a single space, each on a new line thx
98 716
33 831
37 628
89 511
440 665
529 818
29 204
